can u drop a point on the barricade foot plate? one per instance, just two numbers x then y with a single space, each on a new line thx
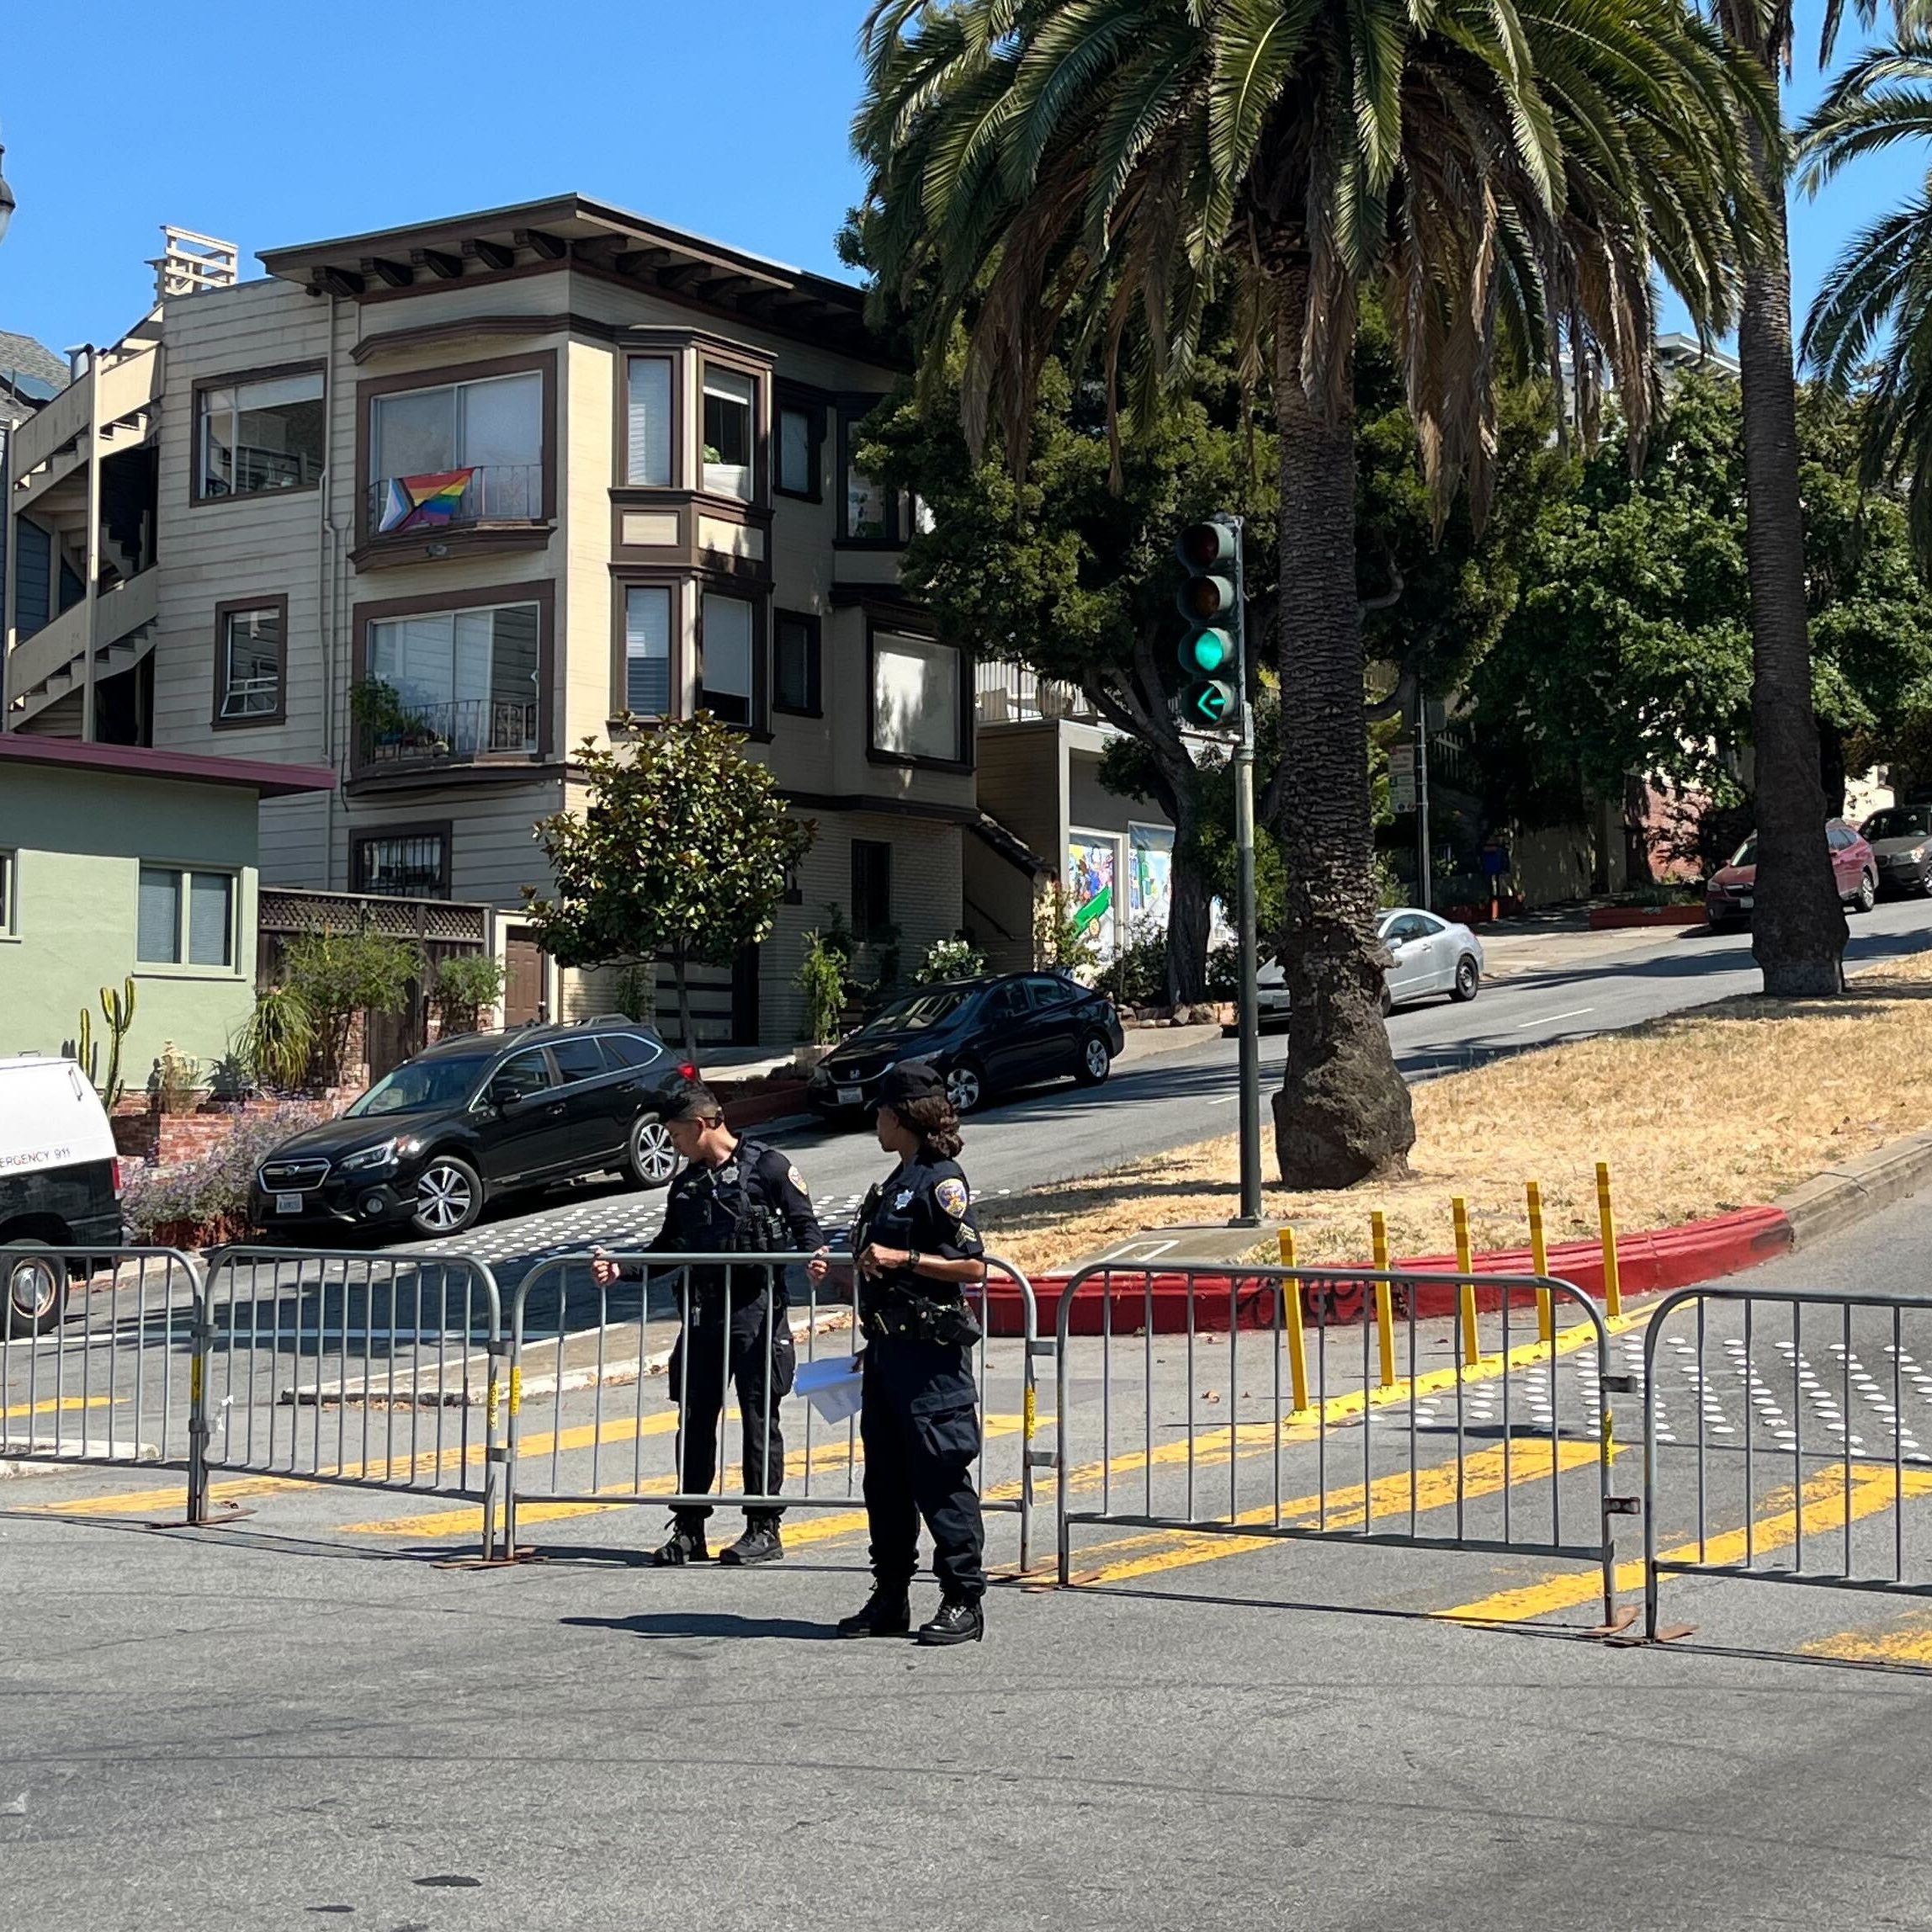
1636 1640
217 1518
1618 1624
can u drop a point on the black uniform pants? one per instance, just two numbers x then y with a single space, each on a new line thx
758 1363
918 1419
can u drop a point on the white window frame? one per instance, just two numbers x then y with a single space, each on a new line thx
184 873
9 894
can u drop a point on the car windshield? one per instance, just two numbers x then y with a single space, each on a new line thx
1747 853
419 1086
917 1010
1899 823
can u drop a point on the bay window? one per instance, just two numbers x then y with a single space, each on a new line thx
869 513
648 417
459 453
647 650
915 707
464 680
730 631
731 417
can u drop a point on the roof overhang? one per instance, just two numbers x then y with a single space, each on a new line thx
571 230
144 762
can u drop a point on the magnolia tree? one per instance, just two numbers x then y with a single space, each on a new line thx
681 850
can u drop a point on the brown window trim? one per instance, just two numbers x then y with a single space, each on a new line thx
676 353
277 602
743 363
541 591
541 362
877 756
678 580
814 403
851 411
815 705
362 835
271 372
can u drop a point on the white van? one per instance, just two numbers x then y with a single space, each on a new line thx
59 1184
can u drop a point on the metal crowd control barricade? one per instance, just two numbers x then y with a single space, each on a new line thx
1805 1455
377 1371
113 1381
1303 1436
602 1379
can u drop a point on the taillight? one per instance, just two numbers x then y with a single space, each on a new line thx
117 1176
689 1071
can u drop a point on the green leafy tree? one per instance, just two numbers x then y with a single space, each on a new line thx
1483 166
336 975
682 848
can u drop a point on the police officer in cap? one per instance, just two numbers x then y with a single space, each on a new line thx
732 1195
917 1249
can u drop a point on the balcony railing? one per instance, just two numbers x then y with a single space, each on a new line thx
452 499
466 732
1007 694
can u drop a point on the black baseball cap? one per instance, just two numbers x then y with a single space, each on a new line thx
909 1080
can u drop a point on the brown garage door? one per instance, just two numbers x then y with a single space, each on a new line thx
524 961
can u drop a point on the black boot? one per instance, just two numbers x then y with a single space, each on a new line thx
761 1543
959 1621
686 1544
888 1612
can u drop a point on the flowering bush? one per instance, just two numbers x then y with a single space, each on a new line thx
205 1202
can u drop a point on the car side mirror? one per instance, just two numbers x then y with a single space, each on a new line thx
504 1095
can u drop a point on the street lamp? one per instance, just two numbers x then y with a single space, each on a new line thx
7 202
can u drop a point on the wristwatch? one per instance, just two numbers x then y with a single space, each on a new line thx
912 1260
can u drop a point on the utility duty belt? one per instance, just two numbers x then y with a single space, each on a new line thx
907 1317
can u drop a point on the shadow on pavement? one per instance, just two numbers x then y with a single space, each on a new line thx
706 1623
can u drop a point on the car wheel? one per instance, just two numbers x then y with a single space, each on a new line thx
32 1289
965 1086
1469 980
648 1157
1096 1063
448 1197
1868 892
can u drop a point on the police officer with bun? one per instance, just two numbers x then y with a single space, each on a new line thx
917 1249
733 1196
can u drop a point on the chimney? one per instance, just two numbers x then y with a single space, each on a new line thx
80 358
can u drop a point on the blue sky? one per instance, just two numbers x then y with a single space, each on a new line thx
272 124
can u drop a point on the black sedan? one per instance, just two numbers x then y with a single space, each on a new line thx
985 1036
430 1142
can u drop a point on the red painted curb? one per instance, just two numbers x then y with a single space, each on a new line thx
1647 1264
1614 918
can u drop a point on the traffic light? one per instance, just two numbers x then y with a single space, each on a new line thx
1210 600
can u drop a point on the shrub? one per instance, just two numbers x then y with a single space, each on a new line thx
821 978
635 995
176 1076
207 1200
950 959
465 984
275 1047
340 974
1225 972
1137 975
1058 938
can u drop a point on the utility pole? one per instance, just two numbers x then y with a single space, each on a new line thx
1423 869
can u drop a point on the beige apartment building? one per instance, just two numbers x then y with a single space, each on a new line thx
433 505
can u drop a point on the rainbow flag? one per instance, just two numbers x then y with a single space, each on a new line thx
421 503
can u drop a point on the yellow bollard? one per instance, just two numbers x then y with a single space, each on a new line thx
1292 1324
1384 1301
1540 1261
1464 1265
1606 1222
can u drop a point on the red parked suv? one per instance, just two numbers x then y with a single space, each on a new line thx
1728 897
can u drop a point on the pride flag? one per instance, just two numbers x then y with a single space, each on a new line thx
421 502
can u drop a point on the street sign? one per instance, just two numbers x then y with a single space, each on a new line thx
1402 793
1402 760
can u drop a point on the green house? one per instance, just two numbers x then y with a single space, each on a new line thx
119 860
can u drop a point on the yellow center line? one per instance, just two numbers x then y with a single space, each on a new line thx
1485 1474
1824 1509
54 1405
1908 1643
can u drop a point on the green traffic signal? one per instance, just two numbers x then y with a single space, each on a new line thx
1210 652
1208 702
1207 652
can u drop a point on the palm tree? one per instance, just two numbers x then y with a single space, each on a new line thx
1872 320
1501 175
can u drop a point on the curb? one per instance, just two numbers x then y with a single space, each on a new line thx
48 1454
1857 1188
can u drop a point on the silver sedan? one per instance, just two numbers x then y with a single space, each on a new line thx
1431 955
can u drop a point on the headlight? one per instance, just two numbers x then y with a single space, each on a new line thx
382 1155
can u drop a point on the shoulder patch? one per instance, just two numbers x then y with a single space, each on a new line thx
951 1194
797 1180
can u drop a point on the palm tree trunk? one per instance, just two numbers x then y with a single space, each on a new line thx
1343 1112
1798 925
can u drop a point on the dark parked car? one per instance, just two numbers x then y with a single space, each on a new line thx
1732 890
1901 840
431 1142
984 1035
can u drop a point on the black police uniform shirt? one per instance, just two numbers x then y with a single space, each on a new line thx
926 1209
708 1208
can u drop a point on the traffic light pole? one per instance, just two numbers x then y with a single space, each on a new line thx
1248 1009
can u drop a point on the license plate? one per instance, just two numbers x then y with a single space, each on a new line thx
288 1204
1744 902
850 1095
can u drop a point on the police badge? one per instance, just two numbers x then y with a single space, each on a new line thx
951 1194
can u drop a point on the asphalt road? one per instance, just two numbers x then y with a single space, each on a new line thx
302 1716
1168 1100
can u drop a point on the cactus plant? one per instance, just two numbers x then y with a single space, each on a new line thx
117 1009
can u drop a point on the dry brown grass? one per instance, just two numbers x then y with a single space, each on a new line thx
1727 1106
